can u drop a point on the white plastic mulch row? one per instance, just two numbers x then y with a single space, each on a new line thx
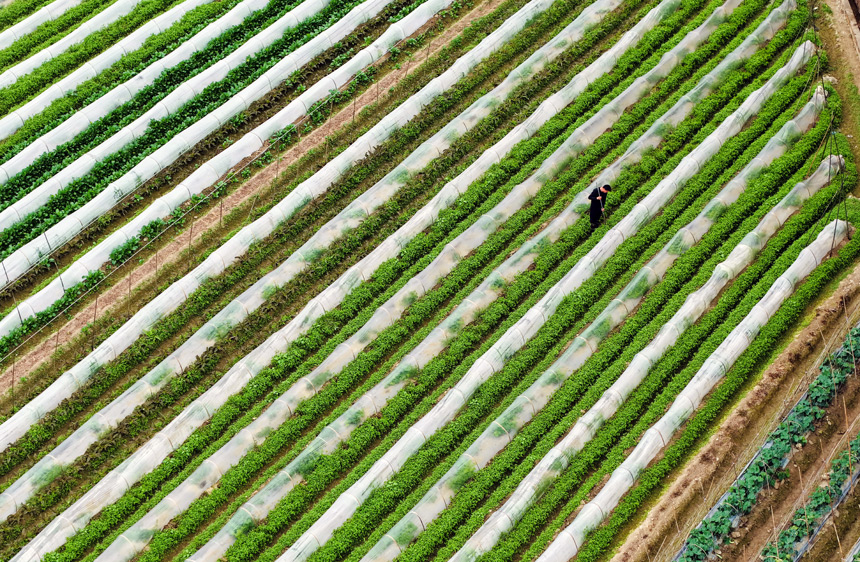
22 259
210 472
557 459
101 20
524 329
174 101
121 94
373 401
118 482
219 260
251 299
505 427
45 14
212 170
168 300
570 539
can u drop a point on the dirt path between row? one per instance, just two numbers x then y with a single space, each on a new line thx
689 496
113 300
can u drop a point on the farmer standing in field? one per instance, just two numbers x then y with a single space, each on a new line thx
598 201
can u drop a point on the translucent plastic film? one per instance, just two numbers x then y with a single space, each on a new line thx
99 21
174 101
121 94
48 13
585 428
584 269
702 382
252 299
55 533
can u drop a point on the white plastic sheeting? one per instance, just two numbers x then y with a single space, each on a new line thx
48 13
570 539
182 142
101 20
20 261
557 459
15 119
524 329
504 428
137 536
168 300
116 483
178 292
124 92
235 312
490 289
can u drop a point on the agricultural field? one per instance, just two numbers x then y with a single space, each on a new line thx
326 280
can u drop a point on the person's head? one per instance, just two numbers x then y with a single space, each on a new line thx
606 188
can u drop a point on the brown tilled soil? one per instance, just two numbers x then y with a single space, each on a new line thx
114 300
706 477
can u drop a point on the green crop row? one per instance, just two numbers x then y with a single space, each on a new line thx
467 505
683 359
669 288
17 11
495 313
752 361
675 360
154 48
432 540
212 502
112 167
314 157
820 503
540 145
176 220
249 266
399 144
51 162
42 77
767 464
33 323
50 32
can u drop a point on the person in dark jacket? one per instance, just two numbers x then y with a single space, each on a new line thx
598 202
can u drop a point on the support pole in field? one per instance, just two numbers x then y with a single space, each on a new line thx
836 531
13 294
62 283
188 251
253 204
775 535
93 329
803 498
